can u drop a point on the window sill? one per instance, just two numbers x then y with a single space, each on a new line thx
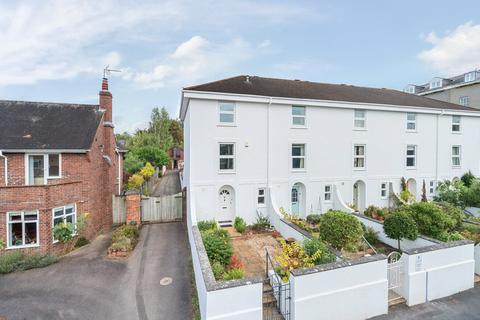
23 247
411 168
456 167
456 132
299 170
411 131
360 129
298 127
359 169
226 125
227 172
54 178
261 206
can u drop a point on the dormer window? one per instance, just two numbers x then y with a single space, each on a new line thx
470 76
436 83
409 89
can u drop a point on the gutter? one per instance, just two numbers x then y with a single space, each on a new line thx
6 167
268 142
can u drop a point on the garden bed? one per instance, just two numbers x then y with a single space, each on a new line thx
124 240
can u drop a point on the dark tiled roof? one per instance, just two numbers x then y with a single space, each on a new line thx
44 125
320 91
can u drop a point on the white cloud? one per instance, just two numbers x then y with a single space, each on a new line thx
265 44
60 39
456 52
194 59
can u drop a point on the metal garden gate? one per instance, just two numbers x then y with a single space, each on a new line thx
276 294
395 272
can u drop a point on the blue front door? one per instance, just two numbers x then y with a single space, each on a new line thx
295 203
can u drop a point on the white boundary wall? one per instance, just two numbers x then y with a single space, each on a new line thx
477 259
349 290
437 271
226 300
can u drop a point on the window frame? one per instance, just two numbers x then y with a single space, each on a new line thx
329 193
46 167
459 156
64 217
382 189
407 156
464 101
37 221
220 112
435 84
304 116
459 124
356 118
470 76
364 156
412 121
304 157
432 188
227 157
264 196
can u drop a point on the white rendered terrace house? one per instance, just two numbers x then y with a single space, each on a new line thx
312 145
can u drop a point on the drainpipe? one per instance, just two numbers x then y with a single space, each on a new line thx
268 142
119 177
6 167
437 144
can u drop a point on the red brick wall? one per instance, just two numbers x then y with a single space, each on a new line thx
88 180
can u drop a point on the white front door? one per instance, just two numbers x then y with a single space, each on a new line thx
226 205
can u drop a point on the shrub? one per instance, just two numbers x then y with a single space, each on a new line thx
207 225
371 235
314 218
122 243
127 230
240 225
218 248
375 212
81 241
468 179
63 231
450 236
316 247
400 225
16 261
424 192
2 245
471 196
218 269
453 212
147 171
340 229
293 256
261 223
452 192
235 263
430 219
471 232
135 182
403 184
233 274
132 163
406 196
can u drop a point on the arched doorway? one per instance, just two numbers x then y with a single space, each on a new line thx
226 203
412 187
297 199
359 195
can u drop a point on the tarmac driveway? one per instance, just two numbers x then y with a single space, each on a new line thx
86 285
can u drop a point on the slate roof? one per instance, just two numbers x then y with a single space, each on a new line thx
272 87
47 126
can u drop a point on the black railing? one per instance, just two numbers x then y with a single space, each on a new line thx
280 292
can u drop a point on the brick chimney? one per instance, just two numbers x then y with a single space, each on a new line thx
106 101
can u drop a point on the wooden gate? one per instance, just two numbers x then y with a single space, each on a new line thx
162 209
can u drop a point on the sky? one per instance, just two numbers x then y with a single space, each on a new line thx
56 50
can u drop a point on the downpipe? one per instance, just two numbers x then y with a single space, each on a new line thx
6 166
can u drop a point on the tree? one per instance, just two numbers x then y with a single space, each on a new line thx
132 163
154 155
340 229
176 131
160 128
403 184
468 178
424 192
400 225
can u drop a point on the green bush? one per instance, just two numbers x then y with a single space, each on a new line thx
233 274
471 195
312 246
468 179
207 225
400 225
452 192
122 243
450 236
430 219
153 154
16 261
240 225
454 212
2 245
217 246
340 229
261 223
371 235
63 231
132 163
81 241
218 269
314 218
127 230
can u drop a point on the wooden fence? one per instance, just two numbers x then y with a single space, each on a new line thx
119 209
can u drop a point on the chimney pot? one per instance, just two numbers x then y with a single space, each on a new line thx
104 84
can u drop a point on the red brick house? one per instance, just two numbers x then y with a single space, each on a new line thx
57 161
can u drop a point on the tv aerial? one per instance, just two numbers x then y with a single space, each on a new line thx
107 71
